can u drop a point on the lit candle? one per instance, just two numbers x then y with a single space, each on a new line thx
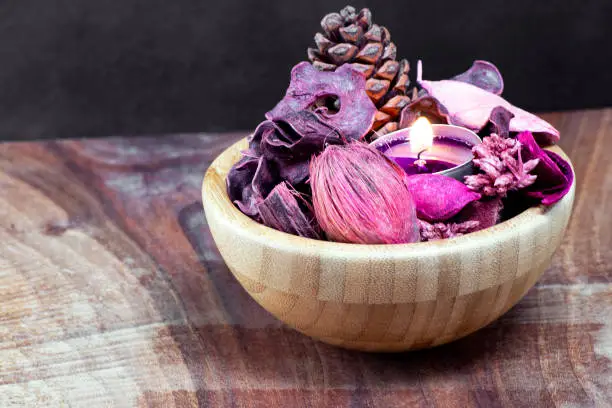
426 148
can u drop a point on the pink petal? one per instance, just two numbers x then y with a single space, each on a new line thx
471 107
438 198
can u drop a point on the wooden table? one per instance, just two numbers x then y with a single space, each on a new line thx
112 293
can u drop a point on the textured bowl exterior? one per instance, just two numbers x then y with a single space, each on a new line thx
383 297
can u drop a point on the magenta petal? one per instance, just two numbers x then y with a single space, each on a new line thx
554 175
484 75
438 198
309 85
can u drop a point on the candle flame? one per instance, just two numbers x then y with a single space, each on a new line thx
421 135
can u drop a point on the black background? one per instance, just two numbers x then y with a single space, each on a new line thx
77 68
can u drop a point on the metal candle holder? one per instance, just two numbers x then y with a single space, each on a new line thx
456 133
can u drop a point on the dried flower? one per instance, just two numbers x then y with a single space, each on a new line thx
338 98
475 216
438 198
360 196
440 230
501 163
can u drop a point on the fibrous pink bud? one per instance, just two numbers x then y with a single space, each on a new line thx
360 196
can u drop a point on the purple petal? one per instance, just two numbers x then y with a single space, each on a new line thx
300 134
438 198
308 85
554 175
294 172
249 181
499 121
240 186
484 75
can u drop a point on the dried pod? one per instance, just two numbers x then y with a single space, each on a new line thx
360 196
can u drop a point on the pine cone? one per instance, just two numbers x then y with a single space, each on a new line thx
350 38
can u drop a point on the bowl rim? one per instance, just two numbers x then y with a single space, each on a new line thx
267 236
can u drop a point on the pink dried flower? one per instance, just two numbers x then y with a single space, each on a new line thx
503 170
440 230
360 196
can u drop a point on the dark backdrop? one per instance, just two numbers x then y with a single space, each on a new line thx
92 67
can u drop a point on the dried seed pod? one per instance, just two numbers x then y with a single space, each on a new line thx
360 196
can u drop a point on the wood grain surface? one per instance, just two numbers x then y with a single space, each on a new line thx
112 293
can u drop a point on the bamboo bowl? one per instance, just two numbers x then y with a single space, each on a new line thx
383 297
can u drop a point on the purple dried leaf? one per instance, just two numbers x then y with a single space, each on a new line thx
281 210
499 122
470 106
438 198
308 85
240 186
484 75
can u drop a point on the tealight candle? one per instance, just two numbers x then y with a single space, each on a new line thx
426 148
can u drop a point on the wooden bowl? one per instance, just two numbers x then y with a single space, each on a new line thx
383 297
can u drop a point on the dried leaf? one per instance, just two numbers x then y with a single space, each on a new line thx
281 210
310 89
499 122
484 75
